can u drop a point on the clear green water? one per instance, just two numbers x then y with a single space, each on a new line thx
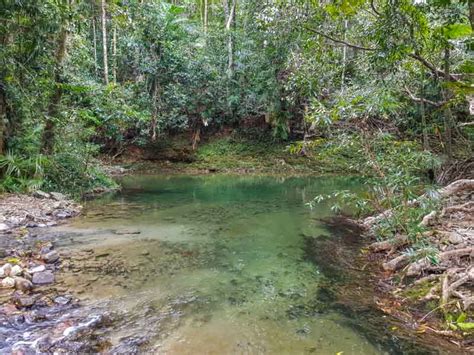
218 266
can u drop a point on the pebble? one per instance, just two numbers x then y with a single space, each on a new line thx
43 278
8 282
51 257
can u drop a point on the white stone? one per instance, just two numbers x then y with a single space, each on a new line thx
8 282
7 268
39 268
16 270
4 227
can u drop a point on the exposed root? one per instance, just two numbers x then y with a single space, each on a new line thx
456 187
420 266
391 244
429 219
451 279
396 263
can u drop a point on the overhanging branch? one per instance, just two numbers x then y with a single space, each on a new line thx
437 72
340 40
426 101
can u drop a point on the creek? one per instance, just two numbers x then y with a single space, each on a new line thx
212 265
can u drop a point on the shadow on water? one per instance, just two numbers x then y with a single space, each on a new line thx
350 290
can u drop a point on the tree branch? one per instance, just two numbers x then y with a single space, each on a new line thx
340 40
426 63
374 9
431 67
418 99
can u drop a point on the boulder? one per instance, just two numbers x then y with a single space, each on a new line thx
8 282
51 257
41 194
43 278
22 284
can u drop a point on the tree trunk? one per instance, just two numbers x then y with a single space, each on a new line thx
114 54
344 58
154 113
206 12
426 142
471 13
3 119
104 40
230 12
448 118
94 35
53 108
4 41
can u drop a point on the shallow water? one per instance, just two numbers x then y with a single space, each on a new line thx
210 265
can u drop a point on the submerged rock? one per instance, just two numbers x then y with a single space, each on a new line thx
51 257
43 278
127 231
24 300
62 300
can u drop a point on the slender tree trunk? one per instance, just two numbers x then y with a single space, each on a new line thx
344 58
104 40
448 118
4 41
3 118
114 54
53 108
154 113
426 142
94 34
230 39
206 13
471 13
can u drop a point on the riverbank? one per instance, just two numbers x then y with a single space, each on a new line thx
431 288
234 154
29 262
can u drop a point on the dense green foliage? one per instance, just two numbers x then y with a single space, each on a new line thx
298 68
